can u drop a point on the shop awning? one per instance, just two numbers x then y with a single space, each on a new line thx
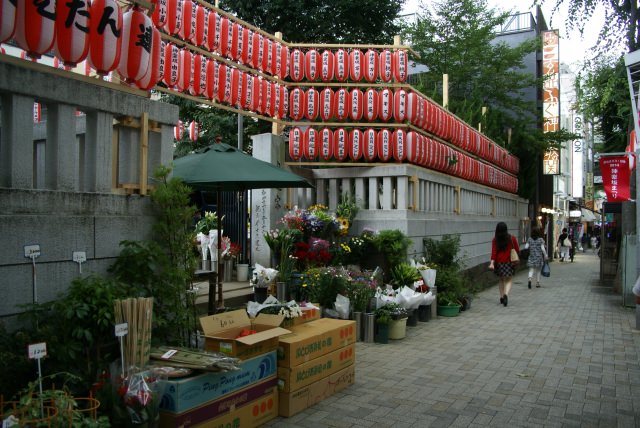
587 215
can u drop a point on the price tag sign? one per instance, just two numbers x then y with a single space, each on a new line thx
79 256
37 351
122 329
32 251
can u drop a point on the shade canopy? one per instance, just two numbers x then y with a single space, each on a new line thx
221 167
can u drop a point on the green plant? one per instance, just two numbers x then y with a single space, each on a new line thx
207 223
322 285
382 315
393 244
404 274
390 312
347 208
444 252
360 288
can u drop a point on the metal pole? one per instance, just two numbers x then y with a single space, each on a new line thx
240 129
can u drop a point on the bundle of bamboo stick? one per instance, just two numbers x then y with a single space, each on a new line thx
138 313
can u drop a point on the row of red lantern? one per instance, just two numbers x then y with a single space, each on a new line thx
385 145
204 27
193 128
198 75
98 31
427 115
354 65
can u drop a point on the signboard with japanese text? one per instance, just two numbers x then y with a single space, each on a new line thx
616 177
551 95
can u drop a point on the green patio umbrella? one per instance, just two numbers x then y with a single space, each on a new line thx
221 167
225 168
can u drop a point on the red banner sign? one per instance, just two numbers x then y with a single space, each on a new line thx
615 177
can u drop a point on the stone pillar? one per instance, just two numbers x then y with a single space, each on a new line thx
61 149
16 142
97 160
267 205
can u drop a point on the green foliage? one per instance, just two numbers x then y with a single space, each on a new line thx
322 285
393 243
450 281
347 208
360 288
323 21
404 274
391 311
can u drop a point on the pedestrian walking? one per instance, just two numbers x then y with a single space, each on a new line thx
537 255
564 245
501 262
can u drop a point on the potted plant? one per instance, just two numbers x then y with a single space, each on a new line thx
392 246
404 274
398 323
383 319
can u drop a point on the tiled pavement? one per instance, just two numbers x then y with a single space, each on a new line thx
566 354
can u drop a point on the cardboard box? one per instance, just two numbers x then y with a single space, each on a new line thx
219 407
308 314
184 394
221 333
314 339
290 403
294 378
251 415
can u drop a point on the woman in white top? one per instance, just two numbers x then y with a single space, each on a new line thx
537 255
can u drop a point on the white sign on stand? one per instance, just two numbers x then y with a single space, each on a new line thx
38 351
79 257
122 330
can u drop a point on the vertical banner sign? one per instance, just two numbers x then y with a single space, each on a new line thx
550 96
615 177
577 173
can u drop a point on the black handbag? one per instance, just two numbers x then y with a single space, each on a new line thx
546 270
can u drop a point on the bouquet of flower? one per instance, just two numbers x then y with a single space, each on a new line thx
208 222
263 277
140 393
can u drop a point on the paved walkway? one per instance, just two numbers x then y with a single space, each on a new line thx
566 354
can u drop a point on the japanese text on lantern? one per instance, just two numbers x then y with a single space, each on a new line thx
550 96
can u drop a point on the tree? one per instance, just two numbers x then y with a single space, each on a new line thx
458 39
324 21
621 18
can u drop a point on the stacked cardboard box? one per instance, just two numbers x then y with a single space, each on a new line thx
244 398
315 360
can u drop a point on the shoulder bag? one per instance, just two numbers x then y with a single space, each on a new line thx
513 255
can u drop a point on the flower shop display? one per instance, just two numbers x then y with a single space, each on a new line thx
397 316
262 281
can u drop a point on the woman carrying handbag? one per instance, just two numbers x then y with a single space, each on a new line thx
537 255
503 264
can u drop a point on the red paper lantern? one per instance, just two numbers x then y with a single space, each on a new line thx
371 66
385 104
311 143
266 94
341 60
154 72
188 28
200 21
221 78
256 87
297 103
340 144
226 36
412 107
370 148
282 67
312 104
247 46
412 147
178 130
326 67
235 50
209 30
276 100
72 32
356 65
326 144
210 91
386 65
430 148
136 45
399 145
400 105
400 65
371 104
243 87
174 16
357 104
356 144
326 104
35 27
296 138
194 131
7 19
384 148
267 58
171 64
197 86
247 91
422 112
257 50
341 104
312 65
297 65
237 78
185 58
217 33
282 107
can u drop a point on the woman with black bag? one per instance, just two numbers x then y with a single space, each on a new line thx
537 255
504 259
